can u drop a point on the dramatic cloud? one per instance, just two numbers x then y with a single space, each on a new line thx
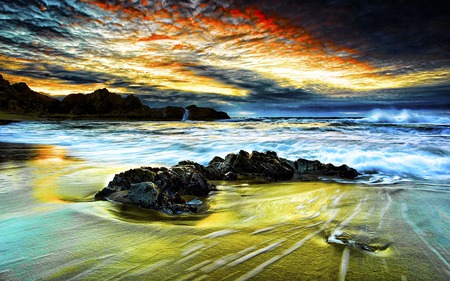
235 55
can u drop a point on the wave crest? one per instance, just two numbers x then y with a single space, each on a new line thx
402 116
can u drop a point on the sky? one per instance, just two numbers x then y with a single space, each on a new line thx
249 58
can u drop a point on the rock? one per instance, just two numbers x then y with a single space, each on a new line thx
308 167
159 188
20 99
174 113
148 195
362 242
102 103
256 165
205 113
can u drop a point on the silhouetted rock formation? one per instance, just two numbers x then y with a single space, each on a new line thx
101 104
205 113
163 189
19 98
174 113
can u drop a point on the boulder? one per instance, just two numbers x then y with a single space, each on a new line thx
148 195
158 188
308 167
255 165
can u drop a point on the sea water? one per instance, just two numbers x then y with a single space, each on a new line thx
52 229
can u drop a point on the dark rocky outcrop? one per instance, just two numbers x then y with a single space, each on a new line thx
256 165
20 99
205 113
308 167
172 113
164 189
101 104
158 188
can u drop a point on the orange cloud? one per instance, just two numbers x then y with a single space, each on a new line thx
154 37
246 39
128 10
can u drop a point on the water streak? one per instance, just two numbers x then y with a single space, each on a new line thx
344 264
421 235
185 115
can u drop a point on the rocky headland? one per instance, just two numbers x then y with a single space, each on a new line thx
19 99
164 189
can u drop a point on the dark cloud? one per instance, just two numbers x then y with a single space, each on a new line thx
263 93
386 27
260 89
49 71
293 102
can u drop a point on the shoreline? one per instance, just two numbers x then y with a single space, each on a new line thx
284 226
7 118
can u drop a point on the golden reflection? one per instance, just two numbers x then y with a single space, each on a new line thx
58 178
48 158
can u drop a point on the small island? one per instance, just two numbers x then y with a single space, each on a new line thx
20 101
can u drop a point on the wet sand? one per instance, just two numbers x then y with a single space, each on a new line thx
51 228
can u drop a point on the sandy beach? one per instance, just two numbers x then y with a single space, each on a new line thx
52 229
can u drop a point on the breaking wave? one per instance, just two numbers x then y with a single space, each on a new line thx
403 116
384 153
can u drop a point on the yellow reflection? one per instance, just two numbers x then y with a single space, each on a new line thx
58 178
49 164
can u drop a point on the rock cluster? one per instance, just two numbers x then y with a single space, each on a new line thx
259 165
163 188
101 104
158 188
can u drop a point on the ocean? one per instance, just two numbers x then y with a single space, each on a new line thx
51 229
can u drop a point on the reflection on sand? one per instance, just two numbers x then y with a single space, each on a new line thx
274 231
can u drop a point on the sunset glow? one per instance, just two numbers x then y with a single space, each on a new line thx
195 49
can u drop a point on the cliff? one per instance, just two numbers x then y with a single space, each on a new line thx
20 99
101 104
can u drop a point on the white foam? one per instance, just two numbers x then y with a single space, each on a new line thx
403 116
390 154
333 235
